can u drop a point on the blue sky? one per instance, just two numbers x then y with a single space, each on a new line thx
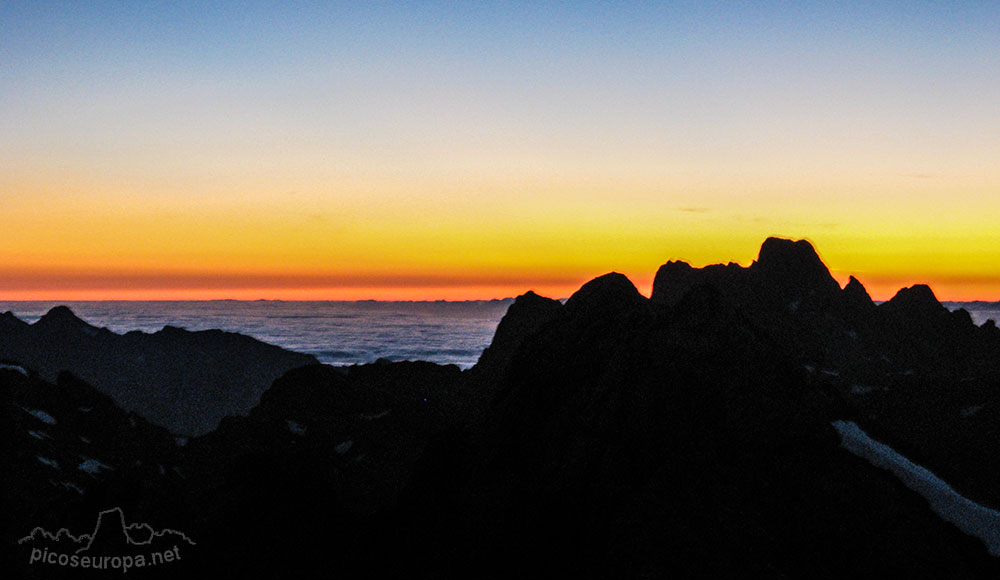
852 123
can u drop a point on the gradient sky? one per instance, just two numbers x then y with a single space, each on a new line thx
476 150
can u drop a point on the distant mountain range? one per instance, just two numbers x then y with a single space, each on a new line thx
700 433
185 381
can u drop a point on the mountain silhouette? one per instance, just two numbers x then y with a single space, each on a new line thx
185 381
691 434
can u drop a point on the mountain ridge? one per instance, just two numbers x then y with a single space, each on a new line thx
184 380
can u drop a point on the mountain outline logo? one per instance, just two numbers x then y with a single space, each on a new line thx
113 544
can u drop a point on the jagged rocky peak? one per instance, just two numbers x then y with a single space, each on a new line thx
672 281
674 267
917 300
794 264
854 286
675 278
854 293
611 291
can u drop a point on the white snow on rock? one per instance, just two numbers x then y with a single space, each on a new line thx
39 434
344 447
15 368
41 416
92 466
860 389
296 428
50 462
67 485
968 516
181 441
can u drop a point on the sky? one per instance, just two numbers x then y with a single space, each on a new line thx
301 150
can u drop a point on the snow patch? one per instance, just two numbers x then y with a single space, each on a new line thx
84 439
15 368
41 416
181 441
968 516
50 462
344 447
92 466
85 409
68 485
296 428
39 434
860 389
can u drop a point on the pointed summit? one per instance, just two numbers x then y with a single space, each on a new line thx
855 295
854 286
61 318
60 313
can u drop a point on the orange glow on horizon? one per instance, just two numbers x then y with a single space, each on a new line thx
357 152
255 287
287 294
